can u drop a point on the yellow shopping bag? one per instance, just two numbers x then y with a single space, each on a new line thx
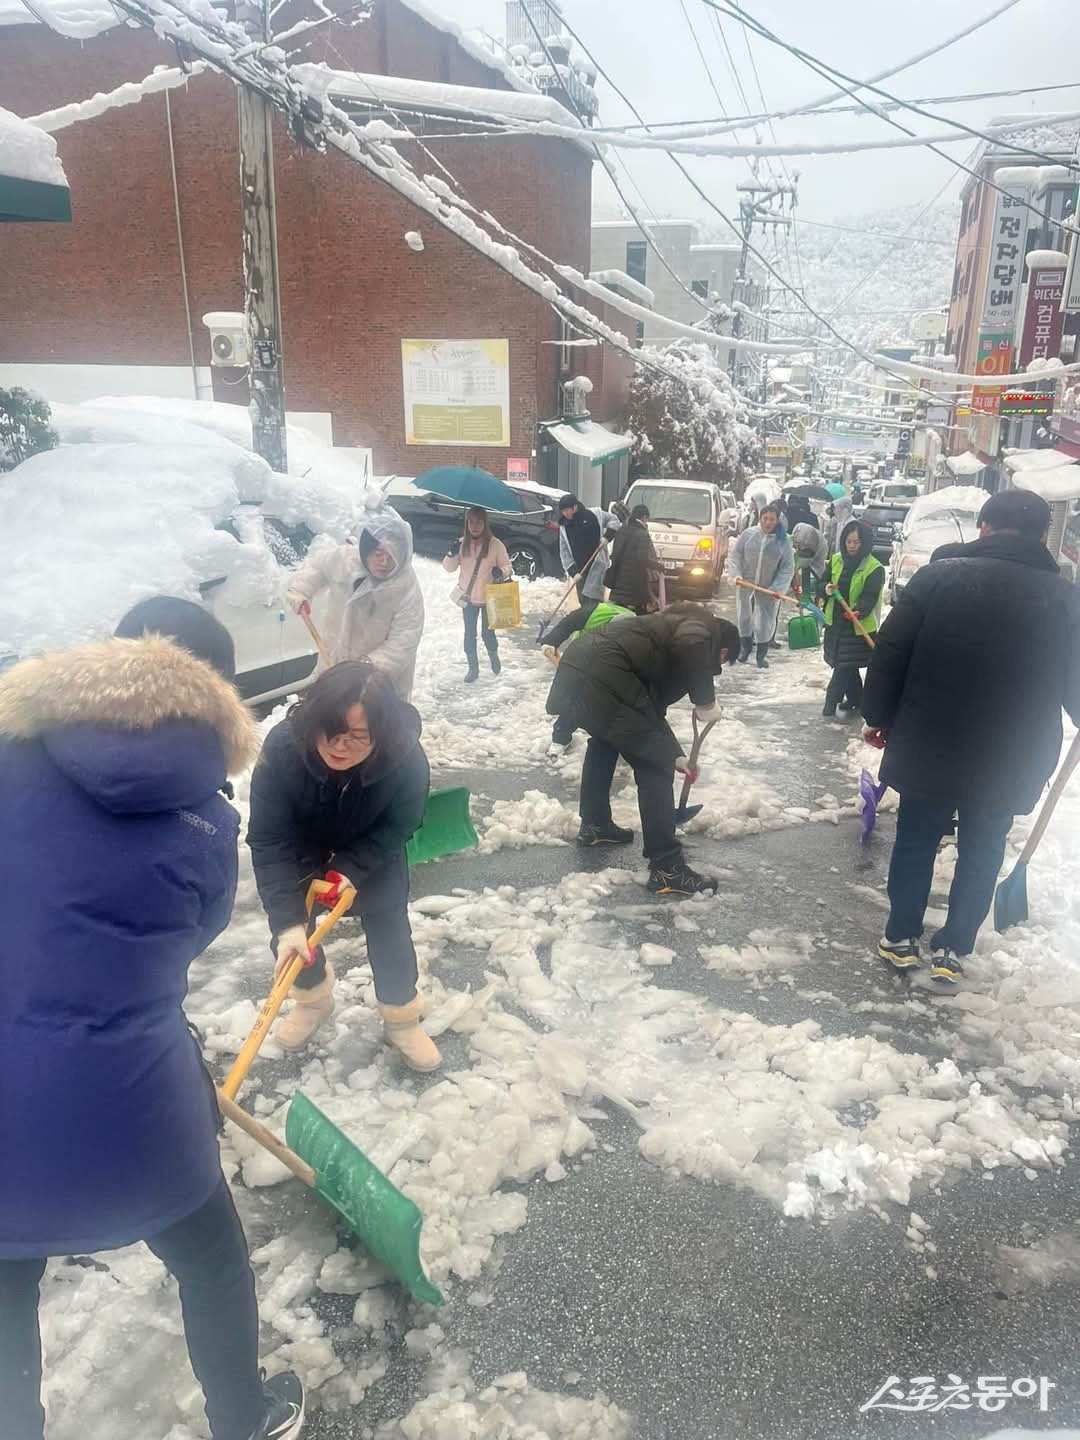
504 606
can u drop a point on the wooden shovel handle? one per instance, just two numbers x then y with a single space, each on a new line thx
1057 789
282 986
305 616
266 1138
775 594
859 626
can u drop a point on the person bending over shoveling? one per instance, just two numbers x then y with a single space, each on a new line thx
340 786
616 683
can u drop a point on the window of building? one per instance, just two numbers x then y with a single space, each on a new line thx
956 282
639 333
637 252
700 288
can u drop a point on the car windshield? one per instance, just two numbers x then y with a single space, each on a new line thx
671 504
942 527
899 492
883 514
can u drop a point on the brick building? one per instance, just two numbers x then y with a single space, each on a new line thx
113 301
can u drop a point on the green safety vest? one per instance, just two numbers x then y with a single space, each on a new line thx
858 580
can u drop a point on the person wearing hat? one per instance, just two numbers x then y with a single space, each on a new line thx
761 555
120 867
966 686
375 608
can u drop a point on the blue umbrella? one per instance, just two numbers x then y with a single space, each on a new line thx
469 486
836 490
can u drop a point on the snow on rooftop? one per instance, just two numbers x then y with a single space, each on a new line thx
77 19
1050 133
396 91
475 43
620 279
27 152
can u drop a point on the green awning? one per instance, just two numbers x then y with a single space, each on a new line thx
581 436
22 200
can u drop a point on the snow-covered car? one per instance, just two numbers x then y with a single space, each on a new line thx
947 517
690 525
139 502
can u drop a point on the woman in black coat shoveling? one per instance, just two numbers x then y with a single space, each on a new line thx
854 574
340 786
617 684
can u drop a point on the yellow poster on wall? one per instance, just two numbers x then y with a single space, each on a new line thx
457 392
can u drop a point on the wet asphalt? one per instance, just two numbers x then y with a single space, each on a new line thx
698 1308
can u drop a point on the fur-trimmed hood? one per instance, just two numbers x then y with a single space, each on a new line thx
125 685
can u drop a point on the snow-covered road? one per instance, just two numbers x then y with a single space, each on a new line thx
684 1162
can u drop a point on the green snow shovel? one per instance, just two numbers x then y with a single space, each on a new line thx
384 1219
802 632
446 827
1010 900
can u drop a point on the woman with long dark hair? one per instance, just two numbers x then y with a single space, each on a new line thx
482 560
339 788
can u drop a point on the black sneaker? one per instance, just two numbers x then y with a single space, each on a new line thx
284 1418
901 954
946 970
829 713
609 834
679 879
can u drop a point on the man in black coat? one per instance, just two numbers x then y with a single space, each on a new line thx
616 683
633 563
583 534
971 671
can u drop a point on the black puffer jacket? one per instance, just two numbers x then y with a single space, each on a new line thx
303 814
971 671
844 647
583 532
617 683
633 558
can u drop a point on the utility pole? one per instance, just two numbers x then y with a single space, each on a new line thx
262 299
756 199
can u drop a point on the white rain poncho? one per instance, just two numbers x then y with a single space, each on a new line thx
366 618
765 560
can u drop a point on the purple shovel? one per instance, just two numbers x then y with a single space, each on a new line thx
871 794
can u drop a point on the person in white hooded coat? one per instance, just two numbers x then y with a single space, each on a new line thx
375 608
762 556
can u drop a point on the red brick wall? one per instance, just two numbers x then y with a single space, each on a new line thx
107 288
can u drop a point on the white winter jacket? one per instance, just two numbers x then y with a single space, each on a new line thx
368 619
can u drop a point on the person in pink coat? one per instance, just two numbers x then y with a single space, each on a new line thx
480 560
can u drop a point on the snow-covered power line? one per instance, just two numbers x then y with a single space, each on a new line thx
161 78
993 136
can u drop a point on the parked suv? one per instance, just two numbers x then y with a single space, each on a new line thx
884 520
691 525
531 538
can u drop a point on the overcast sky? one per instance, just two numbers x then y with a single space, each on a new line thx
647 48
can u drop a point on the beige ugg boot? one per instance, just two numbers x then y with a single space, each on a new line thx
403 1031
310 1008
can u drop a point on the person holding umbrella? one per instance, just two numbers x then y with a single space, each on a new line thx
482 560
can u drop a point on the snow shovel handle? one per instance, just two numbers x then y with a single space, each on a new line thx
859 626
692 758
746 585
323 652
573 582
282 985
266 1138
1050 803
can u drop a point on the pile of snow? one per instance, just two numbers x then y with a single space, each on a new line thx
147 496
77 19
325 489
27 152
968 499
